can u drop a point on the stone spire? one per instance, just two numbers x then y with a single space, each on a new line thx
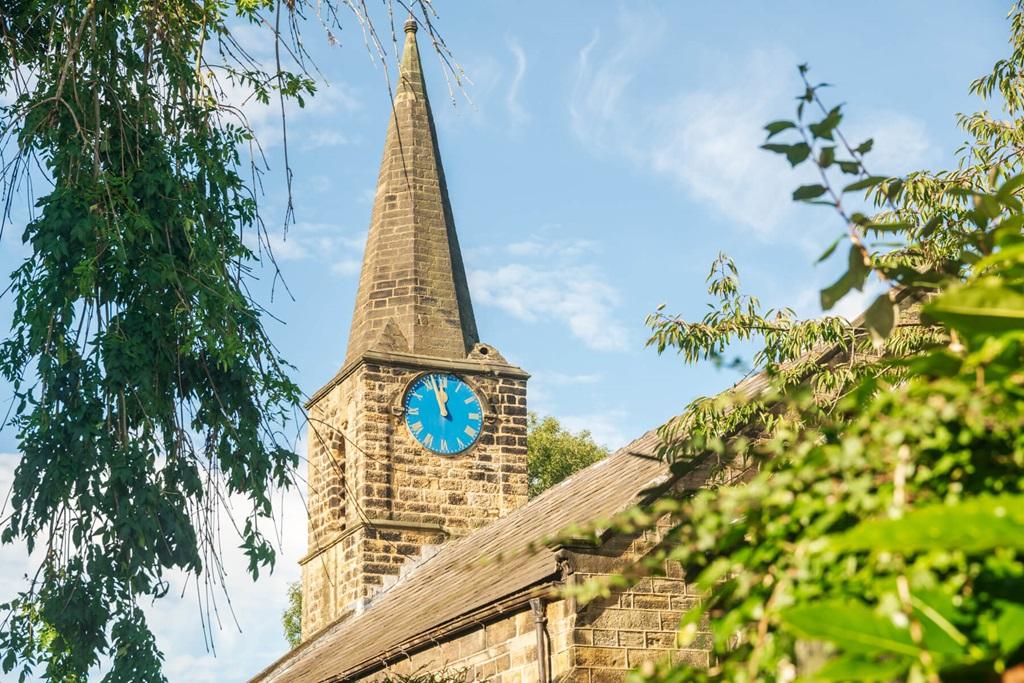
413 297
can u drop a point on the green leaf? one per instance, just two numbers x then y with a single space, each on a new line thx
930 227
983 307
935 611
831 295
1010 626
795 154
897 226
824 128
864 183
975 525
852 626
864 147
831 249
858 270
805 192
850 167
851 667
827 156
853 278
880 318
776 127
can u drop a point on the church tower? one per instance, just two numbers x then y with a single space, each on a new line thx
421 436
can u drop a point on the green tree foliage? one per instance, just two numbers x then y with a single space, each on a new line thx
291 618
146 391
553 453
876 534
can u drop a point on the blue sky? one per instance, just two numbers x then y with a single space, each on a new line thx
603 154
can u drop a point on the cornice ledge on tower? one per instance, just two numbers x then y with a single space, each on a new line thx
416 361
371 523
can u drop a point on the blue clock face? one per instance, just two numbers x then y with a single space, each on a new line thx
443 413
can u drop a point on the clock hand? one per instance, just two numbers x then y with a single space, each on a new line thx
444 402
437 394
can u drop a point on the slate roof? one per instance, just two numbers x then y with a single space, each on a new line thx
476 570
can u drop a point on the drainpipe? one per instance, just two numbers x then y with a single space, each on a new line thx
540 619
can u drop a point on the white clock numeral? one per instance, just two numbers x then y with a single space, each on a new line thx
444 445
474 416
443 382
418 395
416 427
458 388
459 441
428 439
414 411
470 432
471 399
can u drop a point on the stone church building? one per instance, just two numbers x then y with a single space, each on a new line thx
420 530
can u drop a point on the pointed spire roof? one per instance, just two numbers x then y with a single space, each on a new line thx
412 288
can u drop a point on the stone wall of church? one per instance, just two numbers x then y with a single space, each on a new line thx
613 635
377 498
636 625
501 651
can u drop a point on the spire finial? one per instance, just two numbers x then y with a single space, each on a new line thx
410 24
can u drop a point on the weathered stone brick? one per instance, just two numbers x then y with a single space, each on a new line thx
658 602
631 638
669 586
608 675
661 640
604 657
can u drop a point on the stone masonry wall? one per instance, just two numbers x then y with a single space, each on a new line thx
404 481
502 651
377 498
636 625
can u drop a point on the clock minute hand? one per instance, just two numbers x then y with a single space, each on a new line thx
437 394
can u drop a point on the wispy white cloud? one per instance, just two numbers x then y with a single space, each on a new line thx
565 379
537 246
515 108
606 427
323 243
708 140
901 142
493 90
577 296
544 279
318 139
319 116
